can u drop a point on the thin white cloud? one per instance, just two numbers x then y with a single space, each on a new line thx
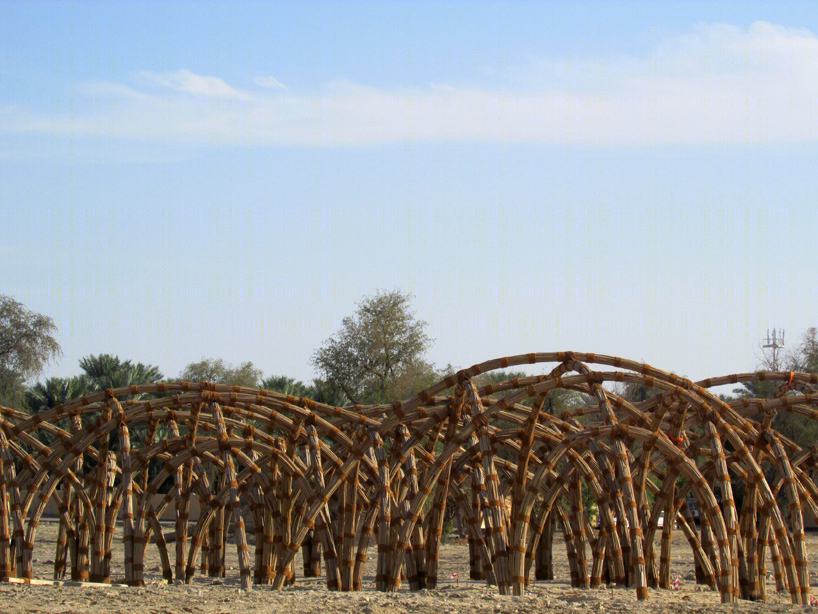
191 83
112 91
270 82
715 84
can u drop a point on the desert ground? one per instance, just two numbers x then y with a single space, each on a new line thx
453 595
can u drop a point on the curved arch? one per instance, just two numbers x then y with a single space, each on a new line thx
237 448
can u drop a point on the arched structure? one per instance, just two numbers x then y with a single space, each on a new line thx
376 480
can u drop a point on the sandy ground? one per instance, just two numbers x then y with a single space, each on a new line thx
310 595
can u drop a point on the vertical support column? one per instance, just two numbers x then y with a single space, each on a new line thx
796 519
235 504
322 528
415 567
438 510
499 528
519 523
625 486
385 547
544 557
127 489
5 534
728 510
578 526
100 494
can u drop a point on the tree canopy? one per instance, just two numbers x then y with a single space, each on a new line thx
106 371
377 349
100 372
287 385
26 344
57 390
804 357
220 372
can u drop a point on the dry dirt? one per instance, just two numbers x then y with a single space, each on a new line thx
454 595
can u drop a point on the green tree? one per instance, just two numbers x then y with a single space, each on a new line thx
320 390
101 372
557 401
57 390
326 393
757 389
418 376
803 357
380 344
637 393
217 371
498 377
26 344
287 385
763 389
106 371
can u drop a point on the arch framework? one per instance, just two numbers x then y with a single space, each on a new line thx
281 474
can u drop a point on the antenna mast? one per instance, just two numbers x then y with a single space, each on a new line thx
774 342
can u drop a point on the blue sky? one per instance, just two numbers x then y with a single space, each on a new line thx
182 180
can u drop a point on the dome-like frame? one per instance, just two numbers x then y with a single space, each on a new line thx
303 474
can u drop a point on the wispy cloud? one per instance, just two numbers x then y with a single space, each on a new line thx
191 83
270 82
717 83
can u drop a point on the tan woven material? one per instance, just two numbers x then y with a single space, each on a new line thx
384 480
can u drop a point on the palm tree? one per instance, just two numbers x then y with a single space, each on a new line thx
107 371
287 385
55 391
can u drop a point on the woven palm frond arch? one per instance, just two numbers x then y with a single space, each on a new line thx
287 474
